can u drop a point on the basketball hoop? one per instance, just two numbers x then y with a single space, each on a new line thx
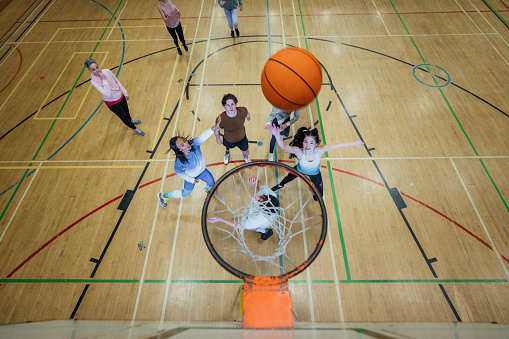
296 217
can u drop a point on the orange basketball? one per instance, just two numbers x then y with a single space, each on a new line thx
291 78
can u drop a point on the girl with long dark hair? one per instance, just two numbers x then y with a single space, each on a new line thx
305 147
189 164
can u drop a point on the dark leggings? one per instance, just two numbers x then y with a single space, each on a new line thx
177 30
122 111
315 179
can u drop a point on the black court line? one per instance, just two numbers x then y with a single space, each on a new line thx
398 201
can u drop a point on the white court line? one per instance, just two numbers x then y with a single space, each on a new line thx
496 50
288 37
170 160
489 23
116 21
380 15
168 280
24 36
19 204
482 222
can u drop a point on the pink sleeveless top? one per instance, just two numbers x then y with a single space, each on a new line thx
170 10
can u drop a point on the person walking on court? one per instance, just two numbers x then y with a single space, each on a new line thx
230 10
171 17
114 94
189 164
232 122
281 119
304 147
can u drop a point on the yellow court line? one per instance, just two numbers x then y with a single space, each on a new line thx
26 73
69 167
56 82
109 27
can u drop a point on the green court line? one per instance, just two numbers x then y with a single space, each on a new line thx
55 119
423 281
207 281
336 209
349 281
452 111
496 13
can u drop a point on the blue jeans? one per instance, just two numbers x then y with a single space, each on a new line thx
231 16
205 176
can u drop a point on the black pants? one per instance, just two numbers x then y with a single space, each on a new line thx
177 31
315 179
122 111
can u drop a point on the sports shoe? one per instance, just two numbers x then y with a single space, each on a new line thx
139 132
268 233
237 31
185 47
271 157
161 199
233 35
136 122
247 160
277 187
179 51
226 157
207 189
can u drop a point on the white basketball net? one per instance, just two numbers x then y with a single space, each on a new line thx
284 225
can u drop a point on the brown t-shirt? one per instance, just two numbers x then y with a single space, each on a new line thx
234 130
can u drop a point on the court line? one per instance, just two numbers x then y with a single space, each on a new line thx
485 37
68 167
116 21
494 248
16 21
489 23
274 15
219 281
17 71
496 13
59 112
380 15
212 165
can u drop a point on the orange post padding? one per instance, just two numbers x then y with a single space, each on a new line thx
267 305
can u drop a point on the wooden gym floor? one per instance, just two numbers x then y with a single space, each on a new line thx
418 219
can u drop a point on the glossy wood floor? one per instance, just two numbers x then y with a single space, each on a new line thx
418 219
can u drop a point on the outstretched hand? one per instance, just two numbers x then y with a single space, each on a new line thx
358 143
252 181
216 126
272 129
215 219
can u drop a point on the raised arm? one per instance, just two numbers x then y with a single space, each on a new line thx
326 148
219 219
207 134
290 149
217 129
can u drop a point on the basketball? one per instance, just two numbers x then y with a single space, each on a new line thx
291 78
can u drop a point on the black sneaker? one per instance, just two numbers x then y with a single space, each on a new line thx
268 233
179 51
233 35
237 31
185 47
277 187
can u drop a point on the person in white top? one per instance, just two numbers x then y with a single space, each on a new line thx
261 214
114 94
304 147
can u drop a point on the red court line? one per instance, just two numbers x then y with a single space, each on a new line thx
276 15
15 22
504 5
239 161
427 206
19 67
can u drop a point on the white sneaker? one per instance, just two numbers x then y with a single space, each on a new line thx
271 156
226 157
247 160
